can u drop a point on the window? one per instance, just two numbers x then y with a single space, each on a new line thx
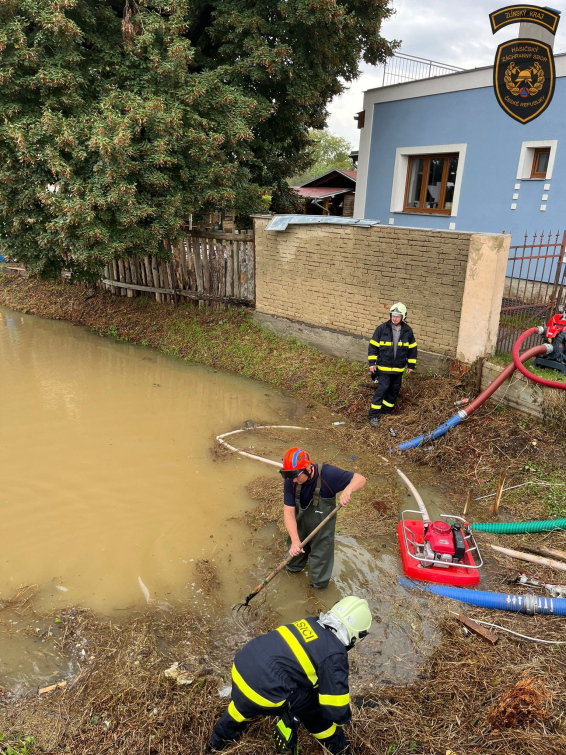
540 162
413 186
536 160
431 180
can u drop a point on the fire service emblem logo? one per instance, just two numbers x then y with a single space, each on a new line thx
524 78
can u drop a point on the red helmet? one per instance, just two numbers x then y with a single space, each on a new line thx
295 461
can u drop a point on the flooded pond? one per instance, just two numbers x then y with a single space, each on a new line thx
111 492
108 477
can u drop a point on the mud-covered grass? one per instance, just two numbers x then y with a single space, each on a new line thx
470 698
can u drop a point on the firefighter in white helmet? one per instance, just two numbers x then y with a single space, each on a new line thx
391 352
298 672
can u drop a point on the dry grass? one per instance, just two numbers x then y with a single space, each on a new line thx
469 697
120 701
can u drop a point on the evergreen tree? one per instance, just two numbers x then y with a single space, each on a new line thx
120 118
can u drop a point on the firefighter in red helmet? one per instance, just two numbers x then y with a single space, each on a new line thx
309 495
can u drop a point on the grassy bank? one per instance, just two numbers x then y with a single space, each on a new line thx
469 699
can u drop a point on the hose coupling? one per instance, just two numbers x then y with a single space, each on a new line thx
530 603
463 414
549 348
541 329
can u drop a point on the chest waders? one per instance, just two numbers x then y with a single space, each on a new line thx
320 550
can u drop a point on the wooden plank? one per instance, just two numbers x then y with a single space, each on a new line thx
122 276
542 551
147 268
478 629
155 278
468 502
236 247
528 557
191 272
197 252
196 295
499 493
205 253
243 236
128 270
116 275
229 268
59 685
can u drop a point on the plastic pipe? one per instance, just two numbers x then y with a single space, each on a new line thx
519 528
220 439
441 430
476 403
417 496
529 603
517 359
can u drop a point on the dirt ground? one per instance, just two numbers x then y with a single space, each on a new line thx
469 697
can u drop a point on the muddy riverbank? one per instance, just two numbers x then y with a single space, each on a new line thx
420 684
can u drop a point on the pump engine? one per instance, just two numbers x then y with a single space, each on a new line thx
444 544
556 335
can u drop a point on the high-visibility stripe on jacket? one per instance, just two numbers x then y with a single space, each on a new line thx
380 349
302 655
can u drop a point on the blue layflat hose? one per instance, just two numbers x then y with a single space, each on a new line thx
529 604
441 430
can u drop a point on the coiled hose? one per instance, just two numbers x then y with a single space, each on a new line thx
529 604
517 360
544 348
519 528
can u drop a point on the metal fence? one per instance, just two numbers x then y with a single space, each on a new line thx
535 286
401 67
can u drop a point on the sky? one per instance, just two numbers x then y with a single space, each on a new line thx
454 32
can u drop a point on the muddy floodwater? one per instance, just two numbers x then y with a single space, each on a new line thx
110 491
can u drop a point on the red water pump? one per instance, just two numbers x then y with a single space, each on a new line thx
556 336
444 544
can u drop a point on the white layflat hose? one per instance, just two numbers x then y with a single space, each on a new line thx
220 439
417 495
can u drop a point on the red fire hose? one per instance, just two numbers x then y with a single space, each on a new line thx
519 359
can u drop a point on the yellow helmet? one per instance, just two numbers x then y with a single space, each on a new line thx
349 619
399 309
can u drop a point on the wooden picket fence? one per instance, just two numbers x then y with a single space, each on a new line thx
211 267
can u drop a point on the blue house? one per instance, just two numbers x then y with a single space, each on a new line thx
441 153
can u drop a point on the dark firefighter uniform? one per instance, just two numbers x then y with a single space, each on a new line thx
390 365
302 665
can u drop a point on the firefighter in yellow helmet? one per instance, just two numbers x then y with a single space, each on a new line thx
298 672
392 351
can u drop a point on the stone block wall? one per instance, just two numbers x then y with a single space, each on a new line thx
345 278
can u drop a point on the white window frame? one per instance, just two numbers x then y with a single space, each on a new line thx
402 155
527 156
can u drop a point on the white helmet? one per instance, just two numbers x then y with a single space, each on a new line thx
399 309
350 620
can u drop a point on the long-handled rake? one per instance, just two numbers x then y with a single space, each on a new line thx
246 604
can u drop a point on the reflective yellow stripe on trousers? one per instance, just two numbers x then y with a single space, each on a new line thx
338 700
246 690
390 369
299 653
326 733
235 713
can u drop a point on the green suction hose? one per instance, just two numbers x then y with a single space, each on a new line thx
518 528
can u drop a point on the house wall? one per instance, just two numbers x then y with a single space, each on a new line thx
422 114
343 279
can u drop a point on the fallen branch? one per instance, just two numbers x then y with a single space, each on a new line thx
528 557
542 551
